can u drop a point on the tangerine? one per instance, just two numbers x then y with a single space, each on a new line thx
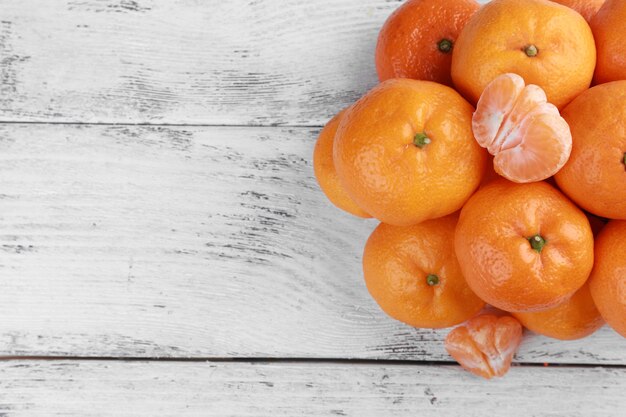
523 247
325 171
485 345
528 137
595 174
417 40
608 278
575 318
405 152
413 274
548 44
608 30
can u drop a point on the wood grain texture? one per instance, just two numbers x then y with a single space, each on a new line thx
194 242
240 62
95 388
186 61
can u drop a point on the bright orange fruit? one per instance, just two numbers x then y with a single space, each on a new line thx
609 30
523 247
575 318
417 40
413 274
595 175
549 45
485 345
325 171
587 8
405 152
528 137
608 278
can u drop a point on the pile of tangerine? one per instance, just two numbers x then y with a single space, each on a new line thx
491 164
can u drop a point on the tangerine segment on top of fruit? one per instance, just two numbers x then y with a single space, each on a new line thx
608 278
587 8
405 152
595 174
575 318
526 134
610 35
485 345
548 44
523 247
414 276
417 39
325 171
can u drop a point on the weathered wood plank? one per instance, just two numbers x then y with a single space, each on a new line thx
182 61
115 388
182 242
197 241
264 62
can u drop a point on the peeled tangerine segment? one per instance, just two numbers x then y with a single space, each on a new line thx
545 148
528 137
485 345
495 103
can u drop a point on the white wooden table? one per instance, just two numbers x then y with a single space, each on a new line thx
165 250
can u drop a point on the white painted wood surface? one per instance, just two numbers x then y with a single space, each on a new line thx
96 388
294 62
208 241
194 241
186 61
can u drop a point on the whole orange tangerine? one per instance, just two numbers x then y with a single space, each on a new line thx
417 40
595 174
523 247
548 44
405 152
413 274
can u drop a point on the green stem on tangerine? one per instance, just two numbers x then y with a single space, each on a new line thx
531 50
624 160
432 279
537 242
445 45
420 140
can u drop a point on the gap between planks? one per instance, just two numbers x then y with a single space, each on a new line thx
143 124
303 361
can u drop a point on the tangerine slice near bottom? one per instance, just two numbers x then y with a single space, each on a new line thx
485 344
